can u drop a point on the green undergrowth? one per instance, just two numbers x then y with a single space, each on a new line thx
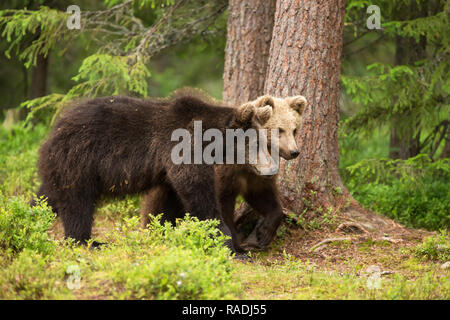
188 261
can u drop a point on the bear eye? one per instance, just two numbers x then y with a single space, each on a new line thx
281 130
295 132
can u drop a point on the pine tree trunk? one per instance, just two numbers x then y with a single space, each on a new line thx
305 59
404 140
38 86
249 31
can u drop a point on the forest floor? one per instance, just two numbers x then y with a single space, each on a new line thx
322 263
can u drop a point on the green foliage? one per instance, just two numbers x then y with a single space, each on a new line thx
433 28
415 192
408 93
18 157
301 279
120 208
120 38
22 227
401 94
434 248
107 74
137 264
141 3
17 25
197 65
402 89
188 261
28 277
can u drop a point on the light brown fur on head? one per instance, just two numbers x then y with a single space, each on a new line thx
287 117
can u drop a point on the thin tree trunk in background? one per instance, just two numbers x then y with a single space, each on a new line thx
249 32
446 151
404 140
305 59
38 87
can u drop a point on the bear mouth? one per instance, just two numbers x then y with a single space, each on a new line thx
264 172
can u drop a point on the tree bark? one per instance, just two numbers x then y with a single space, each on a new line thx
38 86
249 32
305 59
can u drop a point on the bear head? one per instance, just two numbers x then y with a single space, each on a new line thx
286 116
256 118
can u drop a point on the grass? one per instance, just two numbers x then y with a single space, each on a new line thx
401 276
301 282
185 263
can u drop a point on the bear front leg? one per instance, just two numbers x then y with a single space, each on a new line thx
266 203
77 215
227 206
195 187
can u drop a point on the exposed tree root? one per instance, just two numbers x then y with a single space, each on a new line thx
354 220
322 243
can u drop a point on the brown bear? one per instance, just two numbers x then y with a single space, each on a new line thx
259 191
115 146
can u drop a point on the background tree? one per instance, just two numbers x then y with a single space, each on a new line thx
308 63
413 83
249 32
122 37
396 104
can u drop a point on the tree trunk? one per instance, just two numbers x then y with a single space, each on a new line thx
446 151
249 31
305 59
38 86
404 139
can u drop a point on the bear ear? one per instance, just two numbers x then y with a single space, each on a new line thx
298 103
263 114
263 101
246 112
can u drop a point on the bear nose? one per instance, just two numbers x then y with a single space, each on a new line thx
295 153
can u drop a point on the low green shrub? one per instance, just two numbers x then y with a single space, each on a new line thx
136 263
188 261
435 248
23 227
18 157
120 208
415 192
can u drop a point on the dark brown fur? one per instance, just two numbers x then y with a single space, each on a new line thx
116 146
231 180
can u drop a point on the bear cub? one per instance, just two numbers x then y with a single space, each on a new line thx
285 115
115 146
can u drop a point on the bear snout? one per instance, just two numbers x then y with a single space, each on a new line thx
294 154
